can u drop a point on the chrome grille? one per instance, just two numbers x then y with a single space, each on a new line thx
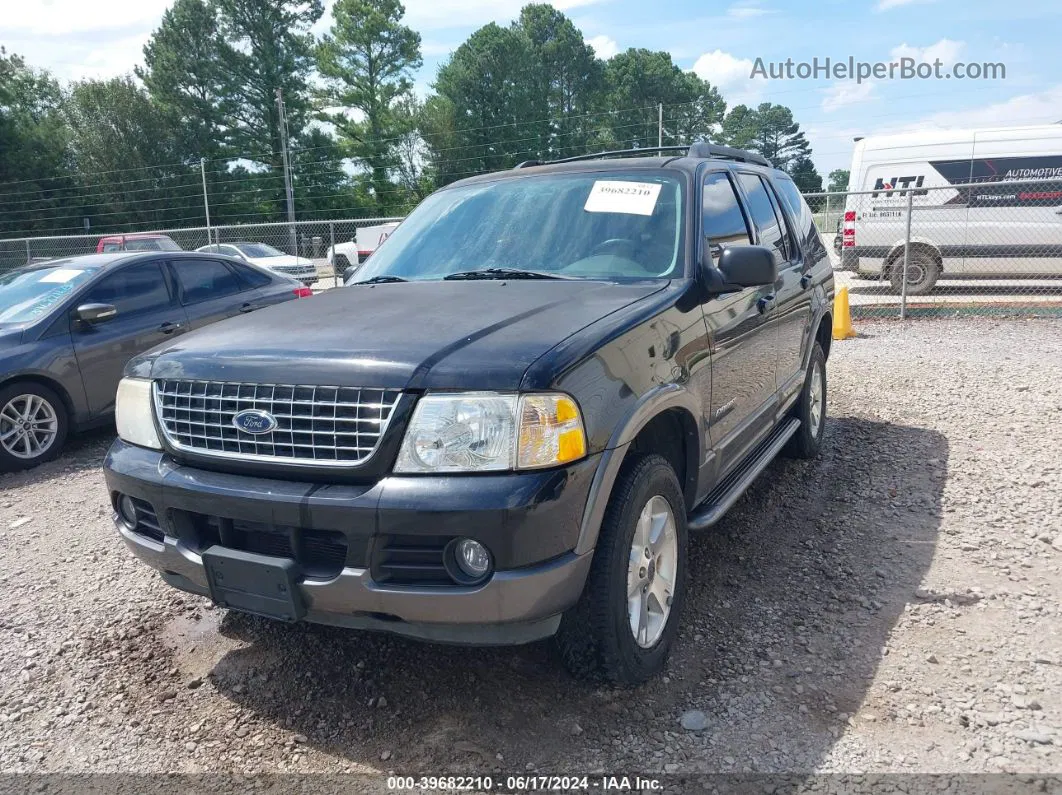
319 425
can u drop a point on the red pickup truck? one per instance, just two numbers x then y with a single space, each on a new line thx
141 242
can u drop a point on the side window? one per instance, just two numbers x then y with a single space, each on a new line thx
765 216
251 277
203 279
133 291
724 221
109 247
142 245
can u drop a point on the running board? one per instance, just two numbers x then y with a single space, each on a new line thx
723 496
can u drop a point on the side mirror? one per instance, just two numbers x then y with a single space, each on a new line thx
348 272
748 266
95 313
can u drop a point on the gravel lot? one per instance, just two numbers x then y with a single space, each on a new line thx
892 606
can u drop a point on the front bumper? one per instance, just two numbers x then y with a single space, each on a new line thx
529 521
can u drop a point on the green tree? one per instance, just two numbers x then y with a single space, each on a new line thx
367 61
804 174
768 129
183 74
265 46
639 80
566 81
116 130
485 111
37 191
838 180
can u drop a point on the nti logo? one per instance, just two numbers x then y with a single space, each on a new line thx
889 186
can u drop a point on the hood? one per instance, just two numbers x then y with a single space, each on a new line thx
442 335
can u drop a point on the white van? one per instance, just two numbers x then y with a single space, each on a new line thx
999 231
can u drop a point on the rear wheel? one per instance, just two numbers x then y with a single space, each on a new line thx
922 273
810 409
624 624
33 425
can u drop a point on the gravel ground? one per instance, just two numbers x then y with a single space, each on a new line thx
892 606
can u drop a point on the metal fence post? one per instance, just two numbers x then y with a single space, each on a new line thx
906 257
332 251
827 224
28 256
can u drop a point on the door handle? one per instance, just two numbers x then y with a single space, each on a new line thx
765 304
248 308
805 280
169 328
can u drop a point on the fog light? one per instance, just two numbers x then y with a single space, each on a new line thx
127 510
472 558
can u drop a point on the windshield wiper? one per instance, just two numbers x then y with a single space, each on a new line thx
382 280
503 273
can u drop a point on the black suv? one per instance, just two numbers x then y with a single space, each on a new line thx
507 427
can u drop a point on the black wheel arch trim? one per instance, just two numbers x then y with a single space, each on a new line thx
648 407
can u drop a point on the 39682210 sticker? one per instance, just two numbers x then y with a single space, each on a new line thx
618 196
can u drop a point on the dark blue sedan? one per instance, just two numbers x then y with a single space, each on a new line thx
68 326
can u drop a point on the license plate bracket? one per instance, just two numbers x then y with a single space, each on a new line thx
253 583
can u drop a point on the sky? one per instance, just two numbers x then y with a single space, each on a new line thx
720 41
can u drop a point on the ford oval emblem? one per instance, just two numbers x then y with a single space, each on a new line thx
254 421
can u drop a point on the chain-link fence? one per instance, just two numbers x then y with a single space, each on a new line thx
989 245
329 245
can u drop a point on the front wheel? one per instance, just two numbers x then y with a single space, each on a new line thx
624 624
33 425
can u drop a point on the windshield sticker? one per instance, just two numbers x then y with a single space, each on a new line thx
615 196
60 276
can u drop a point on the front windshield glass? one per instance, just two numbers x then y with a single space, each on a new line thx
613 226
258 250
28 295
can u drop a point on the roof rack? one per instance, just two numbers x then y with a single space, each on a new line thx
696 149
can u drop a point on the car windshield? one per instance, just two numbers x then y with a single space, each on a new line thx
28 294
612 226
258 250
151 244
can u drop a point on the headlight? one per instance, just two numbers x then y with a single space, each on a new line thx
133 414
491 432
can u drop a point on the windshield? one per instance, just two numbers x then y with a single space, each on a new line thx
150 244
614 226
258 250
27 295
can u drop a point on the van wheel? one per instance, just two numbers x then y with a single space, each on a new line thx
922 273
622 628
810 409
33 425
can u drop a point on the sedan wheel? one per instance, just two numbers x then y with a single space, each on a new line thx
28 426
33 425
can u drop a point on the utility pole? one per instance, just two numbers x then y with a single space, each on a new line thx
660 124
206 201
288 191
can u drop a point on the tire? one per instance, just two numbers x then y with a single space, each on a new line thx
48 410
596 639
922 273
807 441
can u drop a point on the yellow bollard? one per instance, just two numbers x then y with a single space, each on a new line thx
842 316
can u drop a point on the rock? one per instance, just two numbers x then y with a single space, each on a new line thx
385 756
301 739
166 695
694 721
1057 543
932 658
381 702
25 520
576 729
194 684
189 746
242 731
1034 736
